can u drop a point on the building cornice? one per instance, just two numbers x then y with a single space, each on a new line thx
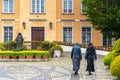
83 20
68 20
37 19
7 19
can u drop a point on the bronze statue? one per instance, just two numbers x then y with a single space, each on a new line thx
19 39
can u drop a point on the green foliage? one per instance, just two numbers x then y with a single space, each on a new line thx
53 44
108 58
45 45
113 59
115 67
2 48
115 52
50 46
116 45
24 53
104 15
9 45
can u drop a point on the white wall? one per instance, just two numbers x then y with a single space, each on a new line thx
69 48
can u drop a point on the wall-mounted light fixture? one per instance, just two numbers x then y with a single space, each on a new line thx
50 25
24 25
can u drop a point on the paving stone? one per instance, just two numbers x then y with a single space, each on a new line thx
55 69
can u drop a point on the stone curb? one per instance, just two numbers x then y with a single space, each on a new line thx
24 60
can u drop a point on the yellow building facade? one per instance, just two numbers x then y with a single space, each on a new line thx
51 20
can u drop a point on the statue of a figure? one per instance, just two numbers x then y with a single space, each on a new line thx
19 39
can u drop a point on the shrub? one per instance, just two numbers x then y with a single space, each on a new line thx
24 53
115 52
5 45
2 48
116 45
9 45
45 45
115 67
108 58
53 44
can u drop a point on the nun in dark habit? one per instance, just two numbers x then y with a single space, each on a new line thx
90 56
76 57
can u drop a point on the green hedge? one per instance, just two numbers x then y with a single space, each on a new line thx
24 53
113 59
115 52
116 45
108 58
115 67
44 45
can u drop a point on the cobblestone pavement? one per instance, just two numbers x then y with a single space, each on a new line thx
55 69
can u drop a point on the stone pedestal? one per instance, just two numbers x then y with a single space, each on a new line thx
57 53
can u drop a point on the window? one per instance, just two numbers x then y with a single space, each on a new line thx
67 6
83 7
86 35
67 34
107 40
38 6
8 34
7 6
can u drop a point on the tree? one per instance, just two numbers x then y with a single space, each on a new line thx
104 15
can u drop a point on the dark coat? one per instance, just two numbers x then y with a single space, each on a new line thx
90 56
76 56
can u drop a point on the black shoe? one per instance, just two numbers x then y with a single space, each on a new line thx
90 73
76 72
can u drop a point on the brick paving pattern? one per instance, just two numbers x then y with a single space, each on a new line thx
55 69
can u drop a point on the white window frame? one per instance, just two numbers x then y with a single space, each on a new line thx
8 34
67 7
72 32
82 7
90 34
39 6
3 8
70 26
106 41
8 25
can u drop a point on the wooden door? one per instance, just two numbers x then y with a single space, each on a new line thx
37 34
